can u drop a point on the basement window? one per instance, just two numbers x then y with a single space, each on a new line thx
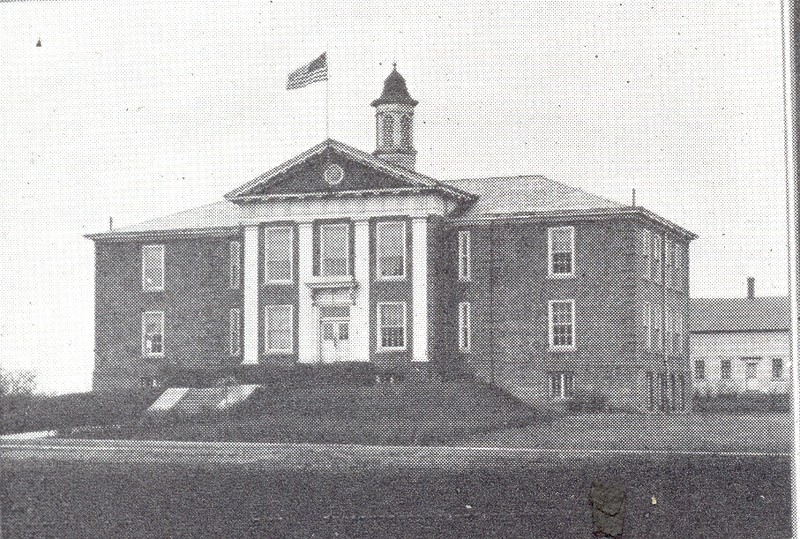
562 385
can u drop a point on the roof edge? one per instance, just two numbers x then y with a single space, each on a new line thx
161 233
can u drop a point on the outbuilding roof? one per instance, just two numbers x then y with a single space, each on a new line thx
729 315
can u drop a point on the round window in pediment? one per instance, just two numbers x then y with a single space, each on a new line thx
333 174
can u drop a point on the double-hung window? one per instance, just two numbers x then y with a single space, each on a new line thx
152 268
392 326
562 324
235 264
669 319
391 248
655 318
657 261
464 255
647 252
669 252
235 332
278 254
561 251
648 326
562 385
278 329
464 326
677 335
153 334
334 247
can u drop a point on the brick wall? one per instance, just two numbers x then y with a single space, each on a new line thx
196 302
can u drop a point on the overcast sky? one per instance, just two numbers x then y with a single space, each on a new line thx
138 110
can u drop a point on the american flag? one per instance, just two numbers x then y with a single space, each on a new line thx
314 71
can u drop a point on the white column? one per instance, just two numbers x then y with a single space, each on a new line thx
251 287
419 287
307 324
359 313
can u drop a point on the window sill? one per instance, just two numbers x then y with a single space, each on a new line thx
561 275
390 350
562 348
390 279
153 356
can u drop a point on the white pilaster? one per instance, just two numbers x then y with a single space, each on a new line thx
251 287
359 313
419 287
307 324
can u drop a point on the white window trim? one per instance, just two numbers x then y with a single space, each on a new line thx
464 252
648 325
378 309
145 353
145 287
235 348
274 351
290 280
647 247
550 325
550 252
378 273
235 278
346 227
465 322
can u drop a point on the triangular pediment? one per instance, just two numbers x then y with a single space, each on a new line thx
337 169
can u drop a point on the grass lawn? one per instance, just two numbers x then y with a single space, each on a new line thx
25 413
696 497
765 432
402 414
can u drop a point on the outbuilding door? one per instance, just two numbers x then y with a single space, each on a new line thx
751 378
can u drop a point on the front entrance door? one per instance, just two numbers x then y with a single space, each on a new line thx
334 340
750 377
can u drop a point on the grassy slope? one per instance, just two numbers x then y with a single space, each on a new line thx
22 413
402 414
698 497
765 432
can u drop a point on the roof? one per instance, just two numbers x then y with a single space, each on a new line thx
395 91
217 215
410 177
716 315
520 194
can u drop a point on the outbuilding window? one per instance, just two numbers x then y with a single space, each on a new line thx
153 334
152 268
391 326
561 249
391 247
562 323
